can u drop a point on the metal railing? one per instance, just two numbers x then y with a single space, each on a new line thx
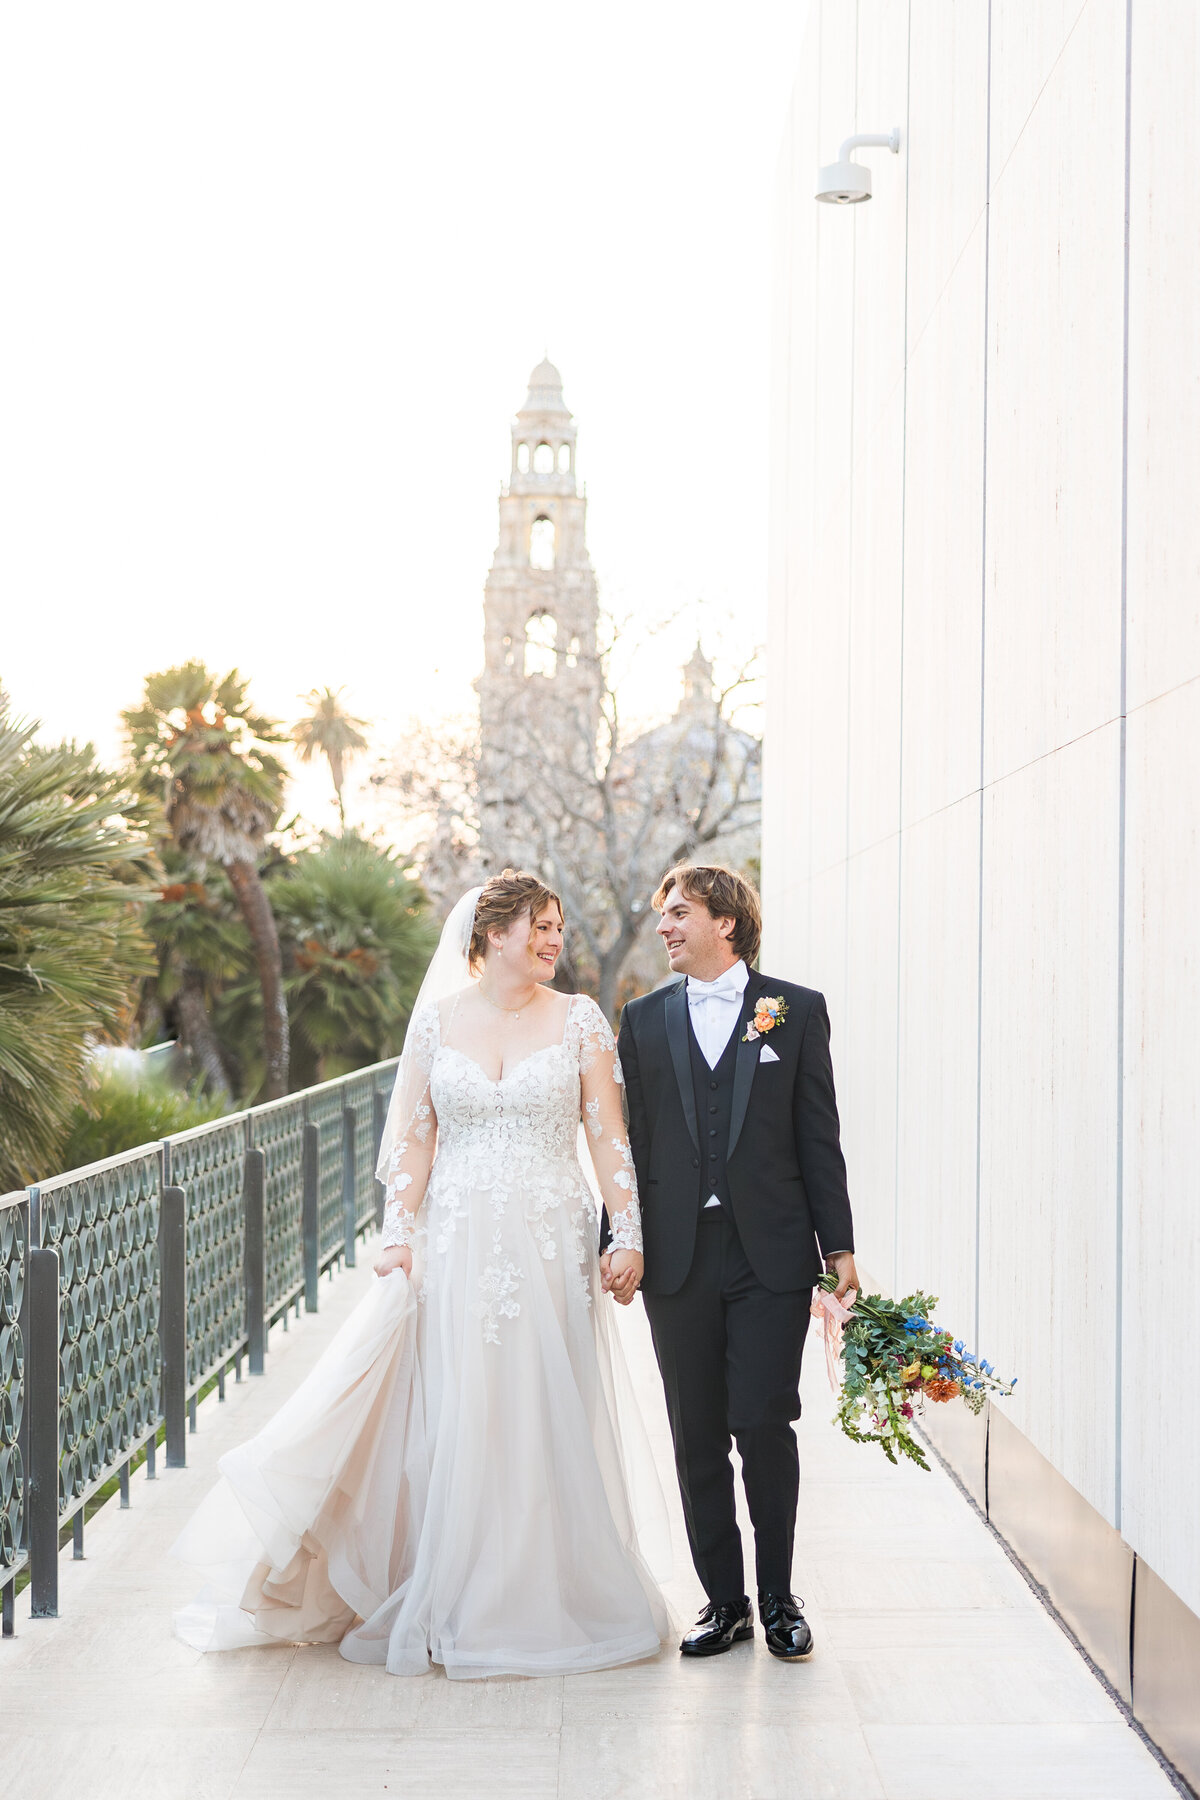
14 1449
128 1286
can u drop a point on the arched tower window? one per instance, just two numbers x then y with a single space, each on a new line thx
541 655
543 460
541 544
564 459
522 459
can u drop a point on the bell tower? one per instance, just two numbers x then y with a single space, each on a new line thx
539 694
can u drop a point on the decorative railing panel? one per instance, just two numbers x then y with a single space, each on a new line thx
383 1079
324 1110
14 1213
358 1095
278 1131
103 1224
209 1164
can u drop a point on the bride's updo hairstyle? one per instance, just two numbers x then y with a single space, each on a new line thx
505 898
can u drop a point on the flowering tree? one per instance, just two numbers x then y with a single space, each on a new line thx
600 819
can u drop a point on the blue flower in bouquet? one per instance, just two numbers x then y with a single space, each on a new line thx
915 1322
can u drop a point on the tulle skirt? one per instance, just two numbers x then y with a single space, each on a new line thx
460 1481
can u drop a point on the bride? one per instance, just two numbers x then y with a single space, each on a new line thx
450 1483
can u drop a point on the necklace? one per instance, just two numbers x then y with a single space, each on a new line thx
513 1013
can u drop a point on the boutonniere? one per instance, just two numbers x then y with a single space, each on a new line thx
768 1013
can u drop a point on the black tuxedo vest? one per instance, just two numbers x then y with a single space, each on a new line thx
713 1089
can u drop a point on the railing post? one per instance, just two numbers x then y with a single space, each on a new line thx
21 1396
310 1215
24 1327
378 1119
172 1321
254 1258
349 1199
41 1397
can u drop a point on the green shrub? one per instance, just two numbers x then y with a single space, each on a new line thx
120 1112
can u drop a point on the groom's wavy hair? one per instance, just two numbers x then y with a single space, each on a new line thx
504 899
725 894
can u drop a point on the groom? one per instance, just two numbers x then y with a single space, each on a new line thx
734 1131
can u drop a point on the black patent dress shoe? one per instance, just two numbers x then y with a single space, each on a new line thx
719 1628
785 1627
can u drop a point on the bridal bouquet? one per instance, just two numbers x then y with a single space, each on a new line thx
894 1359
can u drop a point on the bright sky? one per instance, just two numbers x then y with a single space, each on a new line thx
275 277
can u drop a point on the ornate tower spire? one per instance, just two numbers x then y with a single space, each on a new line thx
698 685
540 683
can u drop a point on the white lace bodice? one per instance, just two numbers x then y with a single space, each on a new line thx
469 1135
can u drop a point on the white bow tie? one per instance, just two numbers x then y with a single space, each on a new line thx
723 988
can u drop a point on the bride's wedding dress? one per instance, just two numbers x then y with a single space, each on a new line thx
450 1482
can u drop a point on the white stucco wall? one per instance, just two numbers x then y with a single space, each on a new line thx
983 753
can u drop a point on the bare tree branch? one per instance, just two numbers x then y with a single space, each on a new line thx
601 811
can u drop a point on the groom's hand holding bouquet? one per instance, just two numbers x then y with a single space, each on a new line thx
842 1266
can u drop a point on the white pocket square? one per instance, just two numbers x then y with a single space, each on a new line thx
766 1054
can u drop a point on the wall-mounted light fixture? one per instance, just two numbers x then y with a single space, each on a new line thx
844 182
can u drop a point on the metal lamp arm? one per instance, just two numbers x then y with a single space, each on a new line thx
871 140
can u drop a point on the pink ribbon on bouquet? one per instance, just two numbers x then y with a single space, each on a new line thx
831 1315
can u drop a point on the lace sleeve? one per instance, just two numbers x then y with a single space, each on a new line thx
601 1082
412 1153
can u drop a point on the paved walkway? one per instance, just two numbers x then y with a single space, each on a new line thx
937 1675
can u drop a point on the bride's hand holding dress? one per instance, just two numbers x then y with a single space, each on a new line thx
396 1256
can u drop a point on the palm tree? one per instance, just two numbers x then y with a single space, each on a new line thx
74 861
357 937
202 946
331 732
196 742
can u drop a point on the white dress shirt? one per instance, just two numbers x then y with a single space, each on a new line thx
715 1008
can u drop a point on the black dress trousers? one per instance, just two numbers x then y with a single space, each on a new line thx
729 1353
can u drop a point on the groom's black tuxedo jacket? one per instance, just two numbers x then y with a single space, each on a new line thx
783 1162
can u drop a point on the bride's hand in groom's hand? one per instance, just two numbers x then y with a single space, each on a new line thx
624 1274
842 1265
396 1256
